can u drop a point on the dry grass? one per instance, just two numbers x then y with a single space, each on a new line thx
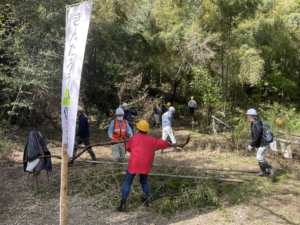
94 193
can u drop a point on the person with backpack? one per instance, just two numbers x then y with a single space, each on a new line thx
117 132
261 137
141 147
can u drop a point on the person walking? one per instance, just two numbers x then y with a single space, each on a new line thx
192 104
259 142
128 115
141 147
167 126
117 132
83 135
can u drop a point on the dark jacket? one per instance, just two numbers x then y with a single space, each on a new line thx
83 130
128 115
257 134
36 146
164 110
156 110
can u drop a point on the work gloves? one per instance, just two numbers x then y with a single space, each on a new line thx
249 148
110 135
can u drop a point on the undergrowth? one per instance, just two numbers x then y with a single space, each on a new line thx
6 152
167 195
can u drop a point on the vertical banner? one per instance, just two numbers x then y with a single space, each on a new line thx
76 35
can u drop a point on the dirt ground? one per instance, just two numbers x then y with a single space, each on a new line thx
273 201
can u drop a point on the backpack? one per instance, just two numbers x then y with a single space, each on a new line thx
267 134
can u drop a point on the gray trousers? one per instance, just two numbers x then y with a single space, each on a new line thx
261 153
86 142
118 152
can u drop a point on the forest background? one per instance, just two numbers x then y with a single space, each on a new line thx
229 54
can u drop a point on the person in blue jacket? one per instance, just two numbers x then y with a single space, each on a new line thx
128 115
167 126
83 135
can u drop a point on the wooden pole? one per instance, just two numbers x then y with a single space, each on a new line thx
36 184
64 183
193 177
64 165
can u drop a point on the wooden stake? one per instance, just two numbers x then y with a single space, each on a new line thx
36 184
193 177
64 183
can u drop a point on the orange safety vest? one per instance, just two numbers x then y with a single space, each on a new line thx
119 133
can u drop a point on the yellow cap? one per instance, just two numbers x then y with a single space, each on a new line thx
169 104
280 122
143 125
192 97
155 100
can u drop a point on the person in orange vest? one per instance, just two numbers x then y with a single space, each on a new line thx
117 132
141 147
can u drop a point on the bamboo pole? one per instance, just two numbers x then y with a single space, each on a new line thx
98 144
193 177
35 184
281 132
64 184
118 142
188 167
286 141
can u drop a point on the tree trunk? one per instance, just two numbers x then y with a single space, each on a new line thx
175 88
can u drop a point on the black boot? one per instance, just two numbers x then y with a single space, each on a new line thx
262 169
145 201
122 207
272 173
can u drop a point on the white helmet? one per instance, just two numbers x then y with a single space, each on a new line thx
172 109
124 104
252 112
119 112
79 108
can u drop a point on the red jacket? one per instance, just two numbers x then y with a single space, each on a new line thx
142 148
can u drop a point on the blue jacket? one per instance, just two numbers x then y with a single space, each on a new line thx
112 125
167 119
83 130
128 115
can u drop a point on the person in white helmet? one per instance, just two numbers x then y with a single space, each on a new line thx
117 132
259 142
167 126
128 115
83 135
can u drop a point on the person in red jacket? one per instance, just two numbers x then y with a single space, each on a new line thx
141 147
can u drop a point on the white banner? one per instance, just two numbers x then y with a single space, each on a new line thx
76 35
